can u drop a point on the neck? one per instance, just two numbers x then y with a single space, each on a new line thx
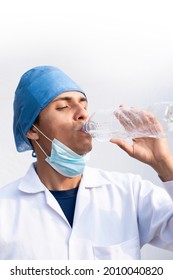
54 180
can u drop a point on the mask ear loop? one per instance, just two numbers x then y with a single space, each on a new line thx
41 148
38 143
42 133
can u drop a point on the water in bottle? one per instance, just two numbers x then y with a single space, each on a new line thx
155 121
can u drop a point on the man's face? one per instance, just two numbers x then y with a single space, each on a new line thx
63 119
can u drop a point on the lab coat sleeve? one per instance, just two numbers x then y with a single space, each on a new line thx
155 215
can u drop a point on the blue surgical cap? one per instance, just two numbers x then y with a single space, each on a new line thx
37 87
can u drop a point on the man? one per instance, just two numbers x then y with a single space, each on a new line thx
62 209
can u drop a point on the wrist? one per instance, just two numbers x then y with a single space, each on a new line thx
165 170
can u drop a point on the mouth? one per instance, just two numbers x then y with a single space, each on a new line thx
82 131
80 128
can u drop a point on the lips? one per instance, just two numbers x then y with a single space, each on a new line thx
81 130
80 127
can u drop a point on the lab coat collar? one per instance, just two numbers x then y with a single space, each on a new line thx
93 178
31 183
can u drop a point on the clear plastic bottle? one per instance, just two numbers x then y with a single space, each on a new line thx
155 121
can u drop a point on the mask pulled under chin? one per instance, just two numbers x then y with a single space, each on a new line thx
65 161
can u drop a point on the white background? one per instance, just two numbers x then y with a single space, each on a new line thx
119 52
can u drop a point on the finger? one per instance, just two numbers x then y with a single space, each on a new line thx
139 123
124 119
131 118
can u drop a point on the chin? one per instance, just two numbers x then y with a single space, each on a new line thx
81 146
84 149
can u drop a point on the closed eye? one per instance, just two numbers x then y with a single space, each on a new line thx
61 108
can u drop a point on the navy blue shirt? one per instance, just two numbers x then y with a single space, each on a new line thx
67 201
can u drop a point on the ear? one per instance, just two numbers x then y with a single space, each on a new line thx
32 134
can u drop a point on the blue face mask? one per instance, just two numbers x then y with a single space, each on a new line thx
64 160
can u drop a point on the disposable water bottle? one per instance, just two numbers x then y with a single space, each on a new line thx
155 121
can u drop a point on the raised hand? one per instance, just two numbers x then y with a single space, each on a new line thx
149 144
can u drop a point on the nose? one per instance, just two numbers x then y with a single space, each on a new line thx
80 113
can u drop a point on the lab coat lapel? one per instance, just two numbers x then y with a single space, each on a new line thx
31 184
81 202
89 180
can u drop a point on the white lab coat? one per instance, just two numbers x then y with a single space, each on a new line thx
115 215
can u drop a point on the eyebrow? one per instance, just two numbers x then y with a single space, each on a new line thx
67 98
